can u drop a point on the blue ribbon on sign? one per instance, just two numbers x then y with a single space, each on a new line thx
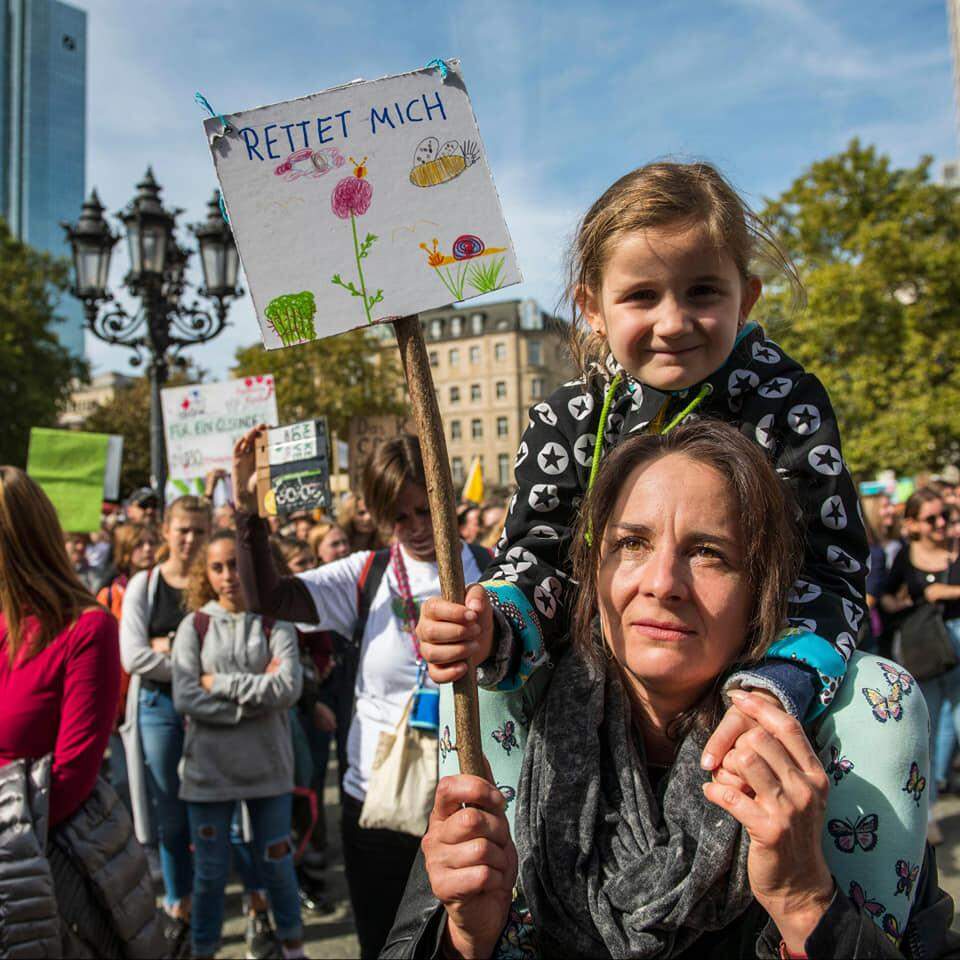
441 66
223 209
199 98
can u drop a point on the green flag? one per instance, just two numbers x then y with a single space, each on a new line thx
71 468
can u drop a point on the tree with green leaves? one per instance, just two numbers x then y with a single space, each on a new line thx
338 377
878 250
37 368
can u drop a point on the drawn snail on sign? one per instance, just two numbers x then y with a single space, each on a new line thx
433 164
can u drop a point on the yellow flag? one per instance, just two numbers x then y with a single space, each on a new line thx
473 488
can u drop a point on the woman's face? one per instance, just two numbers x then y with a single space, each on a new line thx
144 554
334 546
185 532
887 512
674 600
670 305
412 525
222 573
362 520
930 526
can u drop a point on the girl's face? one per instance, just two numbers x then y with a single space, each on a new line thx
300 561
673 596
362 520
412 525
334 546
222 574
144 554
930 526
185 532
670 306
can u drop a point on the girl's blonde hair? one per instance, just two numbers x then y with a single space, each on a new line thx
199 591
346 515
318 532
127 538
36 577
664 194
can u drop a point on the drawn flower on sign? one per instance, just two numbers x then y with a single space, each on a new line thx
351 199
455 273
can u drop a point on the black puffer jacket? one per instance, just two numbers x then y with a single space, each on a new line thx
85 890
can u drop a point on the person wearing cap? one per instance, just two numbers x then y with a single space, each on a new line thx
142 507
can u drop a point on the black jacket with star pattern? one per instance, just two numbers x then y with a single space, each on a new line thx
764 394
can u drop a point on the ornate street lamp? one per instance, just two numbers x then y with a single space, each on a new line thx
164 324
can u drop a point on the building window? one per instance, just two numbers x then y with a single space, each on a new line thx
500 352
436 329
503 427
454 394
503 469
474 355
476 429
501 389
456 468
434 358
454 357
456 326
455 432
536 388
475 393
476 324
534 352
530 316
68 42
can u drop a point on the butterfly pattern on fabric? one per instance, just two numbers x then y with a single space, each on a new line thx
517 940
509 794
886 707
506 736
891 928
447 746
839 766
848 836
860 898
915 784
907 874
897 676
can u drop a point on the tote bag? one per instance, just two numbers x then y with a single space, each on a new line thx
922 644
403 780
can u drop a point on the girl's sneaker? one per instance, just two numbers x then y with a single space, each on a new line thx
262 943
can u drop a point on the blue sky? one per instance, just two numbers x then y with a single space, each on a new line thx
568 96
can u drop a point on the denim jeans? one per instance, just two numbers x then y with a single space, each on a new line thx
943 698
244 860
210 830
161 736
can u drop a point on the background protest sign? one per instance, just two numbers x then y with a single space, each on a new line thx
366 434
202 422
293 468
368 201
77 471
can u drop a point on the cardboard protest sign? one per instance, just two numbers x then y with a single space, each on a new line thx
293 468
77 471
365 202
366 434
203 421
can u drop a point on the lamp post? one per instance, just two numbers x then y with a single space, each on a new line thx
164 324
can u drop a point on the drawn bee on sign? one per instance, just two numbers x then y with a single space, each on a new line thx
433 164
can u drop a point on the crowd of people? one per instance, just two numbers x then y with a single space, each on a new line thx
686 752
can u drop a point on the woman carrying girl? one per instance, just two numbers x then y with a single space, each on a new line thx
235 677
371 597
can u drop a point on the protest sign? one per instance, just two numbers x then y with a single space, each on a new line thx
77 471
203 421
366 434
365 202
293 468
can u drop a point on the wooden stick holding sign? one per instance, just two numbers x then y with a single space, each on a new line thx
363 204
443 513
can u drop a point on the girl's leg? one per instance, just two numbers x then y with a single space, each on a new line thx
161 736
210 830
271 836
876 751
932 691
946 740
244 859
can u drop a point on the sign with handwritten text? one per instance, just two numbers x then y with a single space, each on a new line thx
293 468
203 421
365 202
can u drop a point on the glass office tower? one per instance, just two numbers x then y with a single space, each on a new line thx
43 54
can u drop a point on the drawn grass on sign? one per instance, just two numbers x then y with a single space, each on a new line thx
291 317
454 272
351 199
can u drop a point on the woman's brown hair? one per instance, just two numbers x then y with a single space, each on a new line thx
393 464
664 194
36 577
198 591
771 543
346 515
127 538
916 500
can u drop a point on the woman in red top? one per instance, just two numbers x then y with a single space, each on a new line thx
59 651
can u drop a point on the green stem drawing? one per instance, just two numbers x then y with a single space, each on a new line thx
356 250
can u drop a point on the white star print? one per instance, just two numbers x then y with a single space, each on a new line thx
583 449
740 381
804 418
545 412
581 406
553 459
543 497
833 513
825 459
764 431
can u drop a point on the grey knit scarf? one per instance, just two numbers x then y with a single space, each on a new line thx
608 867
